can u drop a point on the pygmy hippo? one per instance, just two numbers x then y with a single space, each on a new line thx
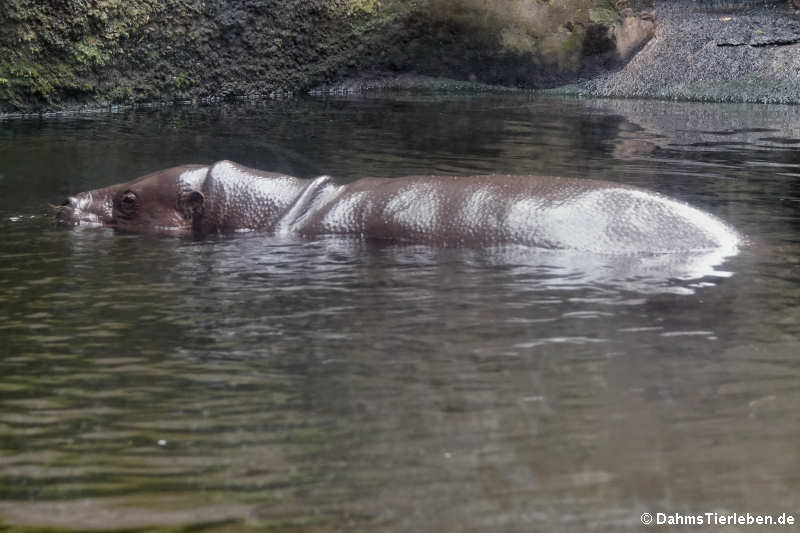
474 211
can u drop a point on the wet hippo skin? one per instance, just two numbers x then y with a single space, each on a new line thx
540 211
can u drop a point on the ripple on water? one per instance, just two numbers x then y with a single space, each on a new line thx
228 383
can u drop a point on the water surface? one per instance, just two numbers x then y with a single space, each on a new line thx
237 383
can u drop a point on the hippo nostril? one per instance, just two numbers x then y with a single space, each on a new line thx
65 213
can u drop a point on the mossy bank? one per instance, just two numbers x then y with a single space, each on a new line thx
56 54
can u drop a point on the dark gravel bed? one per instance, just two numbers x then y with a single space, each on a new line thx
722 55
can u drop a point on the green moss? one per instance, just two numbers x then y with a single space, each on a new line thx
31 81
54 51
362 7
126 50
89 53
603 15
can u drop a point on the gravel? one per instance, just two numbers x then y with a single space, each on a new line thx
726 54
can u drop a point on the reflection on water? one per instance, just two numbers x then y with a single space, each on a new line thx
251 382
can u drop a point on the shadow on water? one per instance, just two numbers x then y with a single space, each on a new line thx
246 382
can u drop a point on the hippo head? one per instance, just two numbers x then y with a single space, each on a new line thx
163 202
196 199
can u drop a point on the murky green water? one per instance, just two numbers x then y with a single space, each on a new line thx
244 383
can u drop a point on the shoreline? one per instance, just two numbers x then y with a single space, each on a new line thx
568 92
379 84
721 55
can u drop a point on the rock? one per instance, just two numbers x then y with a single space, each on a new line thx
632 34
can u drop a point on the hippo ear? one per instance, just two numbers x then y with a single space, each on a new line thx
193 202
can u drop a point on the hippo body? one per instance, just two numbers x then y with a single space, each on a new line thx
538 211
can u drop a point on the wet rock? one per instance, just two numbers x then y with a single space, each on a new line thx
387 82
631 34
55 53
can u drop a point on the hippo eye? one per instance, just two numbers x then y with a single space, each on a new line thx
127 203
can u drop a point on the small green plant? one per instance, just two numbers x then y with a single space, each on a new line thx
181 82
363 7
88 53
120 95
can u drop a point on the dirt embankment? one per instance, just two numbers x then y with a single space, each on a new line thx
57 53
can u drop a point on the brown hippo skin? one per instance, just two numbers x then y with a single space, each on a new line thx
475 211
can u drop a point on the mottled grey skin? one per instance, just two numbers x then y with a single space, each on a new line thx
546 212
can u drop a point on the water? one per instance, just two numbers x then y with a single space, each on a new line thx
244 383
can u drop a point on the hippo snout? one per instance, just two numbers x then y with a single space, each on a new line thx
84 208
65 212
